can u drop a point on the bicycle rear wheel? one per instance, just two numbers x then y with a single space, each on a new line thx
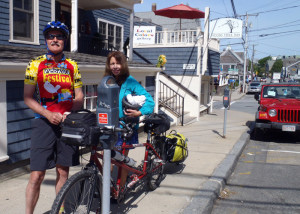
80 194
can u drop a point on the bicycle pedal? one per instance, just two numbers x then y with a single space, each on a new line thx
156 160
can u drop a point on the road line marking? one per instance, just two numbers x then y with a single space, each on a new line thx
286 151
229 105
248 161
245 173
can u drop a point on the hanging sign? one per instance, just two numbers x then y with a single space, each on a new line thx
226 28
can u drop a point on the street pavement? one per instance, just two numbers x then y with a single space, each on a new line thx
188 188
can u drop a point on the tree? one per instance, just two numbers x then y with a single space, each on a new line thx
277 66
262 66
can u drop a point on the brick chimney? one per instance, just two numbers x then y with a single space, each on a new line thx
153 7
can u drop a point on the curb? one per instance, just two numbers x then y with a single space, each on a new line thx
203 201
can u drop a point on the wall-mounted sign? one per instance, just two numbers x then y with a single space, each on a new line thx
226 28
144 35
232 71
189 66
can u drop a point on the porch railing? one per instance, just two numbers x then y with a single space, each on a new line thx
179 36
171 100
94 45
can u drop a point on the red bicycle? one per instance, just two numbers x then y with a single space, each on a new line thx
82 192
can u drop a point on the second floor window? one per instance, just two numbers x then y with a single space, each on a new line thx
23 20
111 34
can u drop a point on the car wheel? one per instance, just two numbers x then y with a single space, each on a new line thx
258 134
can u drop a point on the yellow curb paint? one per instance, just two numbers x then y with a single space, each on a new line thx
245 173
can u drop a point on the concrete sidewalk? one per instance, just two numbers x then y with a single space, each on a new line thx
188 188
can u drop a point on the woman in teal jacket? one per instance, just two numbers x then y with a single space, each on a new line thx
116 66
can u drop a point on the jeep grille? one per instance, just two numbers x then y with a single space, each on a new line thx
288 116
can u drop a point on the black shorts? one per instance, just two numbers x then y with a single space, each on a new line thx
47 150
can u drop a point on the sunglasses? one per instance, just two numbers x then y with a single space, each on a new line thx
58 36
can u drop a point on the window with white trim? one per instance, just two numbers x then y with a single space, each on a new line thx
111 34
24 21
90 97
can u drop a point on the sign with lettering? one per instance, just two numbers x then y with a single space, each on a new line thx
189 66
144 35
228 28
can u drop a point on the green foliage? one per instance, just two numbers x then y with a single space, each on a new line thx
262 62
277 66
261 66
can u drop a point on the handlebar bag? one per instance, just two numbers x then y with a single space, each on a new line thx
80 129
176 147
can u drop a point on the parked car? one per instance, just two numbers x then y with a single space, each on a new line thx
254 87
263 79
279 108
275 80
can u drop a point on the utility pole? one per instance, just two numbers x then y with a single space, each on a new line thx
245 53
252 68
245 48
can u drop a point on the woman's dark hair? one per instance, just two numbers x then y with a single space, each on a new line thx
120 58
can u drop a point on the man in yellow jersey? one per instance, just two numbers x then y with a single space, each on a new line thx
52 87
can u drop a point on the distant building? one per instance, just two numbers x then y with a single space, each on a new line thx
231 65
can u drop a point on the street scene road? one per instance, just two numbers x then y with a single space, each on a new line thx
266 178
185 188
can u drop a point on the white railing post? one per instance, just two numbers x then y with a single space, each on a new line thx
165 37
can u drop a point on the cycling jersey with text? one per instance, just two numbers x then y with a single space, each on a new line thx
55 82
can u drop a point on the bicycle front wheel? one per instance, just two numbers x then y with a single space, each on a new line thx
156 165
80 194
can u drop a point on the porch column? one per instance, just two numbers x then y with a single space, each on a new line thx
3 122
156 92
131 35
205 40
53 10
199 59
74 26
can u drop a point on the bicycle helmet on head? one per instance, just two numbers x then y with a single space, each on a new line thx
56 26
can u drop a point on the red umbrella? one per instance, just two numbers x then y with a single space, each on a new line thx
180 11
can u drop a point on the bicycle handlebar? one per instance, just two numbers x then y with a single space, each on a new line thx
126 129
127 123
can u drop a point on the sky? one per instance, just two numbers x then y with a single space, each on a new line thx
274 25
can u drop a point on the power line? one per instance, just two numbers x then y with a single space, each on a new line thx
278 26
272 3
225 8
277 47
268 34
240 43
274 37
267 11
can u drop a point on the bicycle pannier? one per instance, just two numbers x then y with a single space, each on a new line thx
176 147
162 127
80 129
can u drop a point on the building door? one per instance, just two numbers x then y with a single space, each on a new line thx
63 14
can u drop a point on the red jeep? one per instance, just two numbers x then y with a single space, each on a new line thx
279 107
